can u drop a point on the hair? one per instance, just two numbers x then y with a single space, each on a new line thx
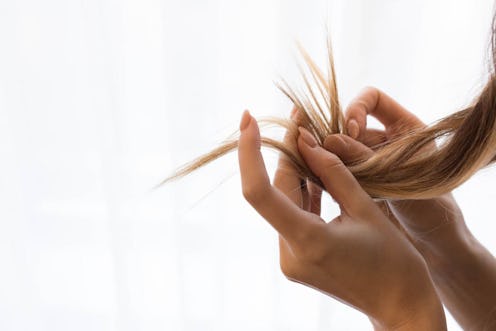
401 168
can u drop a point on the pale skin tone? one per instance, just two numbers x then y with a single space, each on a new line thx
359 257
464 272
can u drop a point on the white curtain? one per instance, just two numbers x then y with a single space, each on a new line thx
101 99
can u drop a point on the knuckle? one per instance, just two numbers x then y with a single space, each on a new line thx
369 89
285 171
312 253
359 104
308 235
310 247
329 163
365 210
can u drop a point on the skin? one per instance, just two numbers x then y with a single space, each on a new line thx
464 272
359 257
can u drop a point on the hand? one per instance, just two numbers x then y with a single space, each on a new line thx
463 271
422 219
359 257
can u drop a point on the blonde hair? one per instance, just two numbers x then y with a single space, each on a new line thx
401 168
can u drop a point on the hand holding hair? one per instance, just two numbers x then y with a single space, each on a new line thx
463 271
398 163
359 257
422 219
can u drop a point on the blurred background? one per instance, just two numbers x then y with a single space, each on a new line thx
102 99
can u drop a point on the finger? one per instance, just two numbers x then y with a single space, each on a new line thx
347 149
337 179
372 101
289 220
373 137
305 194
315 198
286 178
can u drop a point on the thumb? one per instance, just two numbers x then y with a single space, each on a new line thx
337 179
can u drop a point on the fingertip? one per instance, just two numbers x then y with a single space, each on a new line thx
254 178
245 120
249 130
353 128
307 152
306 138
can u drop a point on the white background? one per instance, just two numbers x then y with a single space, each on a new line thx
101 99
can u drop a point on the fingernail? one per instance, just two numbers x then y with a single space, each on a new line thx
353 128
307 137
245 120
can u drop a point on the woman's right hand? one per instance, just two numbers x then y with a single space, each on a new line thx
359 257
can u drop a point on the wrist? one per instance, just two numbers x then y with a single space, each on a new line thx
450 248
415 306
466 280
427 315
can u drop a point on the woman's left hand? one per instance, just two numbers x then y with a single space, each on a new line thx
435 226
359 257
